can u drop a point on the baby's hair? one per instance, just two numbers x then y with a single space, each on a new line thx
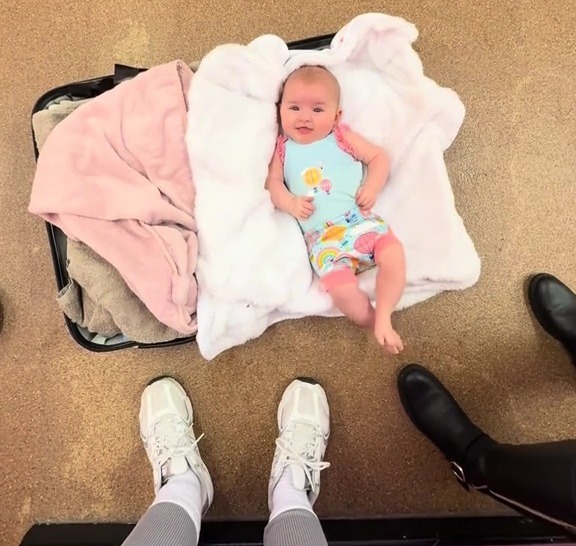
311 73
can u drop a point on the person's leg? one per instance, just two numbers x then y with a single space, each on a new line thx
554 306
538 479
165 524
342 285
182 482
304 426
298 527
390 284
333 259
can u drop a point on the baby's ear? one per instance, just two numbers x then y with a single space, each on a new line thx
338 115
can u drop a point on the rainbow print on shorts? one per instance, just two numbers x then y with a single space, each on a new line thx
347 241
327 256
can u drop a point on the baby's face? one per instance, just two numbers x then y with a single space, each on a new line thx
309 109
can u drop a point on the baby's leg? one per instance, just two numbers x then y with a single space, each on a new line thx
342 285
390 283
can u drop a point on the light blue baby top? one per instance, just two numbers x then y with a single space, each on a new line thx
325 171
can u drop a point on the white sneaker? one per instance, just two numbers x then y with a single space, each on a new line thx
304 424
166 421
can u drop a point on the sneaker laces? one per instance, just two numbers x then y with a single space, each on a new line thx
170 439
300 449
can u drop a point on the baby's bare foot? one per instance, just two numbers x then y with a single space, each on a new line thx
388 337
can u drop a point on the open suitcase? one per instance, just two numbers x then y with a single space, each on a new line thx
87 90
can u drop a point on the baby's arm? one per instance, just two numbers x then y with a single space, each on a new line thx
377 167
374 157
300 207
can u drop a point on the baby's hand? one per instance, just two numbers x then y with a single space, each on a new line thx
366 197
302 207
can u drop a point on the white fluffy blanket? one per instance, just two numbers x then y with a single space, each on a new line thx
253 268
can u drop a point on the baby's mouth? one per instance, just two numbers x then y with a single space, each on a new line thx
304 130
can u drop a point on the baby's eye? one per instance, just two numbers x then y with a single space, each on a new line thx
294 108
318 109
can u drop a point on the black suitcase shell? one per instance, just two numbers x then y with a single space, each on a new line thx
86 90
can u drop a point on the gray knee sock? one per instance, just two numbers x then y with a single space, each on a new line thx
294 528
164 524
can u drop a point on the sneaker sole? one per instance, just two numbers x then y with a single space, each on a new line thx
309 380
160 377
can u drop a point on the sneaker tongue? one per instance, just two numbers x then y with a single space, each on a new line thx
299 480
176 465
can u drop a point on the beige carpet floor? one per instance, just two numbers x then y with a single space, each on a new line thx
69 442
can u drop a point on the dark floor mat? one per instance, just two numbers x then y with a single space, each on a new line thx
413 531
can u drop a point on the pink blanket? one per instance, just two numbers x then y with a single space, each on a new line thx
115 175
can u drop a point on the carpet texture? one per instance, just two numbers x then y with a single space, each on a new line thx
68 428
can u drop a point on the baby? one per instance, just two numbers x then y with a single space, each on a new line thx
316 175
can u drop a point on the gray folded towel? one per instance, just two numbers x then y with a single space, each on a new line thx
98 299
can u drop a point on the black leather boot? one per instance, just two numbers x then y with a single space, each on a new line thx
435 413
554 306
536 479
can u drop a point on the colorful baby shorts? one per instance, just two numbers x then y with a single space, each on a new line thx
340 249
